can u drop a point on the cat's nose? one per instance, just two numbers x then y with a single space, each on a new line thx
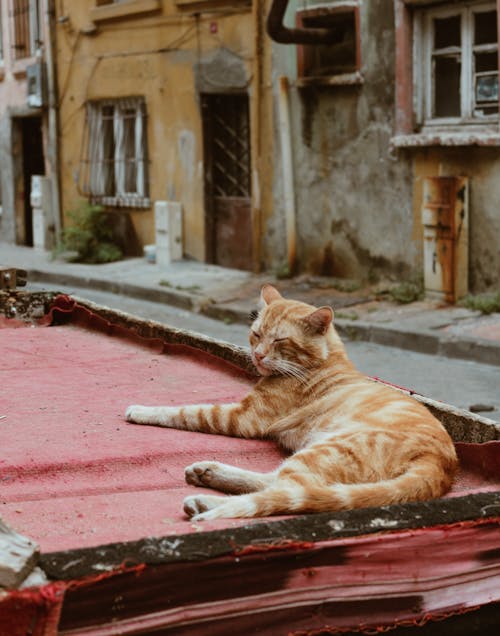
259 356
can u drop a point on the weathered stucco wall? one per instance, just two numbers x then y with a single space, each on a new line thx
358 200
353 196
168 57
13 110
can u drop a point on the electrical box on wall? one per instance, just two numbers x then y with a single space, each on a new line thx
445 217
41 203
168 223
37 85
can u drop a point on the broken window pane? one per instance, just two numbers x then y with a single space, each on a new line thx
447 86
447 32
485 27
486 62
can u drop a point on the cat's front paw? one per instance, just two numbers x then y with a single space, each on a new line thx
201 473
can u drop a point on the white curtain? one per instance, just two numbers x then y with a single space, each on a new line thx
119 163
139 151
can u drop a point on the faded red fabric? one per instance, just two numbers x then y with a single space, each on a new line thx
75 474
34 611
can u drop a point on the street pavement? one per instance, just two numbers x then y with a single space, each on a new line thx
218 301
230 295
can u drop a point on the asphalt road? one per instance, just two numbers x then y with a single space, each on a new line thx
462 383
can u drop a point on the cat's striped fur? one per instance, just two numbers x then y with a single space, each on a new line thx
354 442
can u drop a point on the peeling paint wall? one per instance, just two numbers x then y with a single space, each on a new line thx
13 110
168 56
353 196
358 200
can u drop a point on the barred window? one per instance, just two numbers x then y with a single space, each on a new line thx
115 156
25 28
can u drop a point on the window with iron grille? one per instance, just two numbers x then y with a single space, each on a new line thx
456 64
25 28
115 156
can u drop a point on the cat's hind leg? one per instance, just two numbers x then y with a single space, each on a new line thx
226 478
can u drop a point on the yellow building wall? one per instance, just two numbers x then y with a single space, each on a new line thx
154 54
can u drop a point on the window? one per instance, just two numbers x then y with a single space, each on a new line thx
341 58
115 158
456 64
25 28
118 9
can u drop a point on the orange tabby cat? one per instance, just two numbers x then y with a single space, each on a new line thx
355 442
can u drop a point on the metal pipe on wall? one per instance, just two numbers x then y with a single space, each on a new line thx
53 138
288 177
278 32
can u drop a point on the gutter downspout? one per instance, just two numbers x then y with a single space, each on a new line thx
278 32
287 166
53 141
256 126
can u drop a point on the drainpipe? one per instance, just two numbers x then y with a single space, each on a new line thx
278 32
53 143
256 127
287 166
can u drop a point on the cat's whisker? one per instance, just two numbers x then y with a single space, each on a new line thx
291 369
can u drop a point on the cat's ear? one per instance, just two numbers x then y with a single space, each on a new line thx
269 294
319 321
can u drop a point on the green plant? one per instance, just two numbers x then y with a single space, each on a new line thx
485 303
283 272
90 235
408 291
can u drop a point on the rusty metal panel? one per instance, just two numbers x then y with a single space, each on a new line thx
233 231
445 220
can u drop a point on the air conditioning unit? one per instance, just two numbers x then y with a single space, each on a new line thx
36 77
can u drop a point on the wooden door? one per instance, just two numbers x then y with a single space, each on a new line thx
228 210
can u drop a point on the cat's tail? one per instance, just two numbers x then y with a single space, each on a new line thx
424 479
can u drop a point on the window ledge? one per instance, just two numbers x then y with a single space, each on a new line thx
191 4
124 9
123 201
345 79
446 139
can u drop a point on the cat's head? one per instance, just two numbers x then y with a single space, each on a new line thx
289 337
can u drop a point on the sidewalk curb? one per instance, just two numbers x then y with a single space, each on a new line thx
422 341
165 295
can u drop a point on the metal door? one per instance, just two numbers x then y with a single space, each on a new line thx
226 131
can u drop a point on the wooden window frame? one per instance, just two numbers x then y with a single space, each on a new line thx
413 126
122 9
27 23
304 73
